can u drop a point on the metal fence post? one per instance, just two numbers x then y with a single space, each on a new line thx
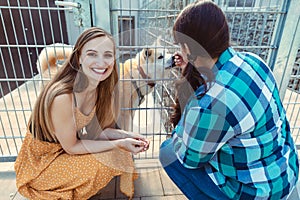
288 44
101 14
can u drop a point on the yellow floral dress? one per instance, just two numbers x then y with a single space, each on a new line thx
45 171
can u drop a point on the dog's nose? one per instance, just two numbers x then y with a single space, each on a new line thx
170 63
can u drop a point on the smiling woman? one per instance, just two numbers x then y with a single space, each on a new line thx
97 59
72 128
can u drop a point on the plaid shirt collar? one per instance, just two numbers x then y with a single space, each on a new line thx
223 58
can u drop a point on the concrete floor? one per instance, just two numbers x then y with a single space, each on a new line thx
152 184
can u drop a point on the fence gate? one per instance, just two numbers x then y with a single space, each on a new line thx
268 28
26 27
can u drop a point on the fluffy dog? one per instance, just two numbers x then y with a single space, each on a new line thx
49 61
137 75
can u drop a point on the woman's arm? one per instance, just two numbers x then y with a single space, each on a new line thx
116 134
95 146
202 133
65 130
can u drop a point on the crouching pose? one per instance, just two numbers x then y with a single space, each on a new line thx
232 139
72 149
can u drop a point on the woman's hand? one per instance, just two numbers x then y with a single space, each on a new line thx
119 134
133 145
140 138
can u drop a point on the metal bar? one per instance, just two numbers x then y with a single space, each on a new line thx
146 108
240 28
11 158
33 8
67 4
255 32
35 46
13 67
142 10
17 110
53 41
20 79
11 137
177 11
291 103
9 123
248 30
30 64
232 23
51 24
27 45
60 26
43 33
298 132
5 137
293 111
2 153
42 28
262 30
297 76
176 47
288 43
146 46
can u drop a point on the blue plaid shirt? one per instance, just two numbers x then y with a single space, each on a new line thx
239 131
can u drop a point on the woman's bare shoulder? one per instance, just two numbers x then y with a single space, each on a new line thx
62 102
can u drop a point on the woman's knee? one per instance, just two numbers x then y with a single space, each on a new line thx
166 153
165 148
166 143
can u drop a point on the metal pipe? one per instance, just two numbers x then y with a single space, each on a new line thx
67 4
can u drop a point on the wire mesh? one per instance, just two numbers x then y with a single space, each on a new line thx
253 26
26 28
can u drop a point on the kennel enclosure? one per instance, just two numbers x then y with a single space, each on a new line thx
268 28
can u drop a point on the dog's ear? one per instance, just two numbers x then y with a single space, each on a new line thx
147 52
158 40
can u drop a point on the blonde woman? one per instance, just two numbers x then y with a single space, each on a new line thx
72 149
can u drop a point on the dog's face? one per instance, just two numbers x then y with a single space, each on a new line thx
154 61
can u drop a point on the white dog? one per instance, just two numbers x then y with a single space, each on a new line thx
138 77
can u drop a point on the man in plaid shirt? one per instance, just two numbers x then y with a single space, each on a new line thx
233 140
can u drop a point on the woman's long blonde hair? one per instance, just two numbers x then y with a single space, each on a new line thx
107 104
